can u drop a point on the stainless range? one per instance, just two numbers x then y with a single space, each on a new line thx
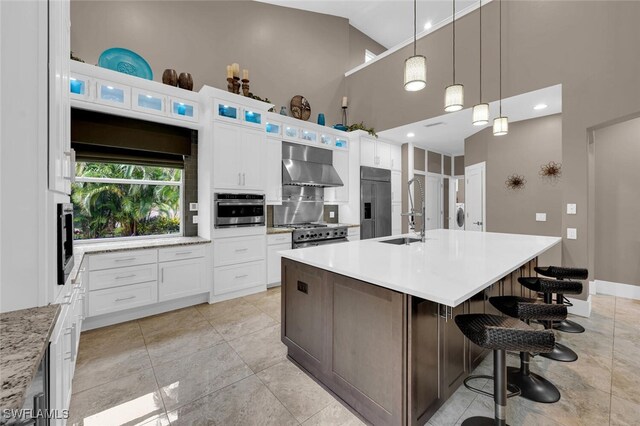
316 234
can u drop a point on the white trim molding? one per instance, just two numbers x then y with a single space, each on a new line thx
627 291
580 307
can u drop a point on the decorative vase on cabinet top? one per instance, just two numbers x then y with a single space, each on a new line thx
170 77
185 81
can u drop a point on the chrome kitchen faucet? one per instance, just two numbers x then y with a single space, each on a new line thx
412 213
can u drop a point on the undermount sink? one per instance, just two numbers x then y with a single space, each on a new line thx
401 241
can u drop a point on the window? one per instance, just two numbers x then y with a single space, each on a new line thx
124 200
368 56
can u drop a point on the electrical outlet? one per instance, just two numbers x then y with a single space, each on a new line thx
332 215
195 218
541 217
572 234
193 207
571 209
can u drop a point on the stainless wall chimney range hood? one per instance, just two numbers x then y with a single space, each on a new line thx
308 166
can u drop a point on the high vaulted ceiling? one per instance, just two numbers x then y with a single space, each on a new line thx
389 22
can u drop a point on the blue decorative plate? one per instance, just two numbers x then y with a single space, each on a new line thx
340 127
126 62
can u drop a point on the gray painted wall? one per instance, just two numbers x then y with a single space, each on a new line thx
528 145
287 51
584 45
617 206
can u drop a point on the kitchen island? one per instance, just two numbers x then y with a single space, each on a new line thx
373 321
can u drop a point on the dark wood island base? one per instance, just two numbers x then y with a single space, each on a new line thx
394 358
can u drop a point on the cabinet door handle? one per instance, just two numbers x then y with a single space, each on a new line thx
73 341
120 299
122 277
162 275
242 249
239 179
241 276
243 180
182 253
125 259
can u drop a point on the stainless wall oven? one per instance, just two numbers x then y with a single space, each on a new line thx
236 210
65 241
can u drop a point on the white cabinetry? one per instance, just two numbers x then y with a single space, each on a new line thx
383 155
396 219
132 279
180 278
396 187
353 234
276 243
64 343
239 266
61 167
239 155
396 157
274 171
339 194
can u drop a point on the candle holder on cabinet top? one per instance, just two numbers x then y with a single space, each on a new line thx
245 87
236 85
230 85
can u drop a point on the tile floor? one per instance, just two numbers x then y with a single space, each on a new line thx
224 364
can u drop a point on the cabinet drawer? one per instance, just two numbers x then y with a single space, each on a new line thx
228 279
120 298
109 278
120 259
274 239
228 251
180 253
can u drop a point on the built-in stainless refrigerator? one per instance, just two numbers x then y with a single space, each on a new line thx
375 202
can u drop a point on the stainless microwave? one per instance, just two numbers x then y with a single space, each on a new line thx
236 210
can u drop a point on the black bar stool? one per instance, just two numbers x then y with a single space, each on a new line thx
501 334
548 287
561 273
532 386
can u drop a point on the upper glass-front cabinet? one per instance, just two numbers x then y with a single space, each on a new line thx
252 117
227 111
308 135
148 102
184 109
274 129
342 143
113 94
291 132
326 139
79 86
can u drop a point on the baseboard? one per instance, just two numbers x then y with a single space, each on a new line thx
143 311
627 291
580 307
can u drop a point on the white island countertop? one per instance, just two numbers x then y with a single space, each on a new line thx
449 268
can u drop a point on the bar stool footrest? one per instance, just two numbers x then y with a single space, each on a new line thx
513 390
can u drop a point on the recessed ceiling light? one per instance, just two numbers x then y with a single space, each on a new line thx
540 106
410 134
428 25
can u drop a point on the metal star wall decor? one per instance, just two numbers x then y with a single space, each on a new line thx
551 171
515 182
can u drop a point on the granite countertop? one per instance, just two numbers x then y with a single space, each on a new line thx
24 337
143 243
278 230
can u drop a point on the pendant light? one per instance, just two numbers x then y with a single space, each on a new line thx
454 94
481 110
415 67
500 124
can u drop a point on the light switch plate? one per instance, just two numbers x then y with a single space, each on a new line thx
572 234
571 209
541 217
193 207
195 218
332 215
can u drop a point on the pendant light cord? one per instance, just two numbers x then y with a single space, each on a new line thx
500 26
454 41
415 26
480 51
